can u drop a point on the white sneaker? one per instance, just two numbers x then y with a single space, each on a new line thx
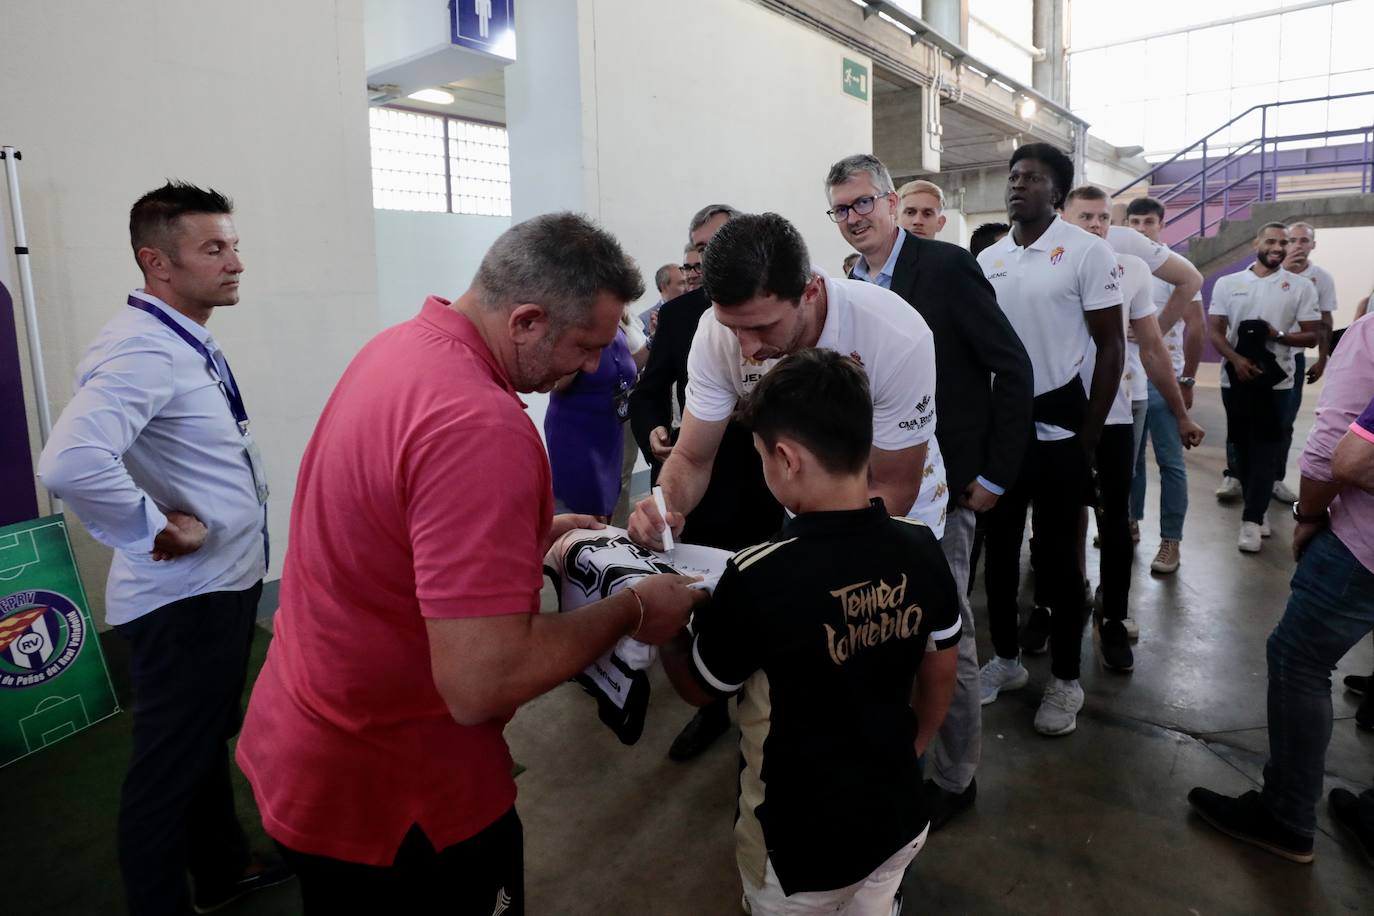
1132 628
1058 712
1283 494
1249 540
1230 490
1265 530
1001 674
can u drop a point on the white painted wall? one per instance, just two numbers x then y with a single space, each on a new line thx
639 112
419 254
1345 252
260 99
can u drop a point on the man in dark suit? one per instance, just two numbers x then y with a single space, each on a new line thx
983 393
737 510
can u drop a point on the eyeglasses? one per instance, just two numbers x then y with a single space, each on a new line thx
690 268
863 206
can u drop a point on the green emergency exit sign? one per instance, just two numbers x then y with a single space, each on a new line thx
855 79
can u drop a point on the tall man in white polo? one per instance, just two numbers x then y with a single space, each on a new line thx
1254 311
155 456
1302 239
984 398
1061 289
1089 208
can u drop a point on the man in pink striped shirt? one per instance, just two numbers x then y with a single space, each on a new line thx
1331 608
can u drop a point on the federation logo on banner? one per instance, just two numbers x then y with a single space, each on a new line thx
41 635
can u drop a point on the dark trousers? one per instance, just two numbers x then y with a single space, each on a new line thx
481 876
188 665
1115 463
1254 429
1290 413
1055 480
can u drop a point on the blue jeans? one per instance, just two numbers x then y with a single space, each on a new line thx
1162 429
1290 415
1330 609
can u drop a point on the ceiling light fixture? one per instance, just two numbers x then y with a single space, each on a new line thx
433 96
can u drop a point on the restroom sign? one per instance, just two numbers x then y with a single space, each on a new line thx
484 25
855 79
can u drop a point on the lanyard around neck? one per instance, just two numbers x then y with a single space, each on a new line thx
219 369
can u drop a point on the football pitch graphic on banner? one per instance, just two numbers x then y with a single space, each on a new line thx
53 680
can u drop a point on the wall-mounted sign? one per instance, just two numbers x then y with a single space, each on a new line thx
484 25
855 79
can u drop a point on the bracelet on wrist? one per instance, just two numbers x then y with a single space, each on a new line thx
1318 518
640 601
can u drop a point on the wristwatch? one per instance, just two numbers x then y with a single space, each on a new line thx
1187 381
1320 518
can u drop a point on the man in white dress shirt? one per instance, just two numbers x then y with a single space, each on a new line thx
154 454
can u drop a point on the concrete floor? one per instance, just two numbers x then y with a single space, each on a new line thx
1092 823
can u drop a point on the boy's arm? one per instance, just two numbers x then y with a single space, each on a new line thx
934 690
717 658
677 662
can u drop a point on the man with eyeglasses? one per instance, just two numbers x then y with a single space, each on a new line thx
1060 287
983 398
691 264
736 510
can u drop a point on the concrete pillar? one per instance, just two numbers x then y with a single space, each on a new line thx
949 18
905 125
1049 32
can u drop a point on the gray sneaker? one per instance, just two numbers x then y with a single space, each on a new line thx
1058 712
1283 494
1230 490
1001 674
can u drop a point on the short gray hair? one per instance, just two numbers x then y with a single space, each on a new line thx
1310 228
561 261
702 216
663 275
862 164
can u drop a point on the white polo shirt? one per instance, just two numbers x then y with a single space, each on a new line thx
1135 290
1283 299
1044 289
885 335
1129 241
1173 338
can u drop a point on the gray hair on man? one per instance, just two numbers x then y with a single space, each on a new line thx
561 261
703 215
862 164
663 276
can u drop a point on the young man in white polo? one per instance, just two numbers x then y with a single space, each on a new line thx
1061 289
1250 322
921 208
1183 339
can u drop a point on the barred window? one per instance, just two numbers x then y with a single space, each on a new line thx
438 163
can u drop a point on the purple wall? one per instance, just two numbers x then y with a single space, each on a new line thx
18 497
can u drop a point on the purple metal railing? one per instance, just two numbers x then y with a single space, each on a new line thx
1256 184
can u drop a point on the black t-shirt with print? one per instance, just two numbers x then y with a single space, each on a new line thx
824 629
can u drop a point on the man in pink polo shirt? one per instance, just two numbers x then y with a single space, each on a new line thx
409 630
1331 608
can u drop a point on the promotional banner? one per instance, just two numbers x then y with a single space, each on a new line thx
53 680
18 496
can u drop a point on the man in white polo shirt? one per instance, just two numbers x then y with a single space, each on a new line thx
1183 339
1302 238
1089 208
1251 317
769 301
1061 289
921 208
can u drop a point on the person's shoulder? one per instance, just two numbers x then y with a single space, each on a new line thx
765 559
686 308
989 256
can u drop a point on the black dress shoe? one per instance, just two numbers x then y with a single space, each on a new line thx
270 872
706 726
943 805
1245 819
1358 683
1345 810
1364 715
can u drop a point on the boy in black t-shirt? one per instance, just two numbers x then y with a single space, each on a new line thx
825 629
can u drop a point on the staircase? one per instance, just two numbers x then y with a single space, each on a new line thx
1252 170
